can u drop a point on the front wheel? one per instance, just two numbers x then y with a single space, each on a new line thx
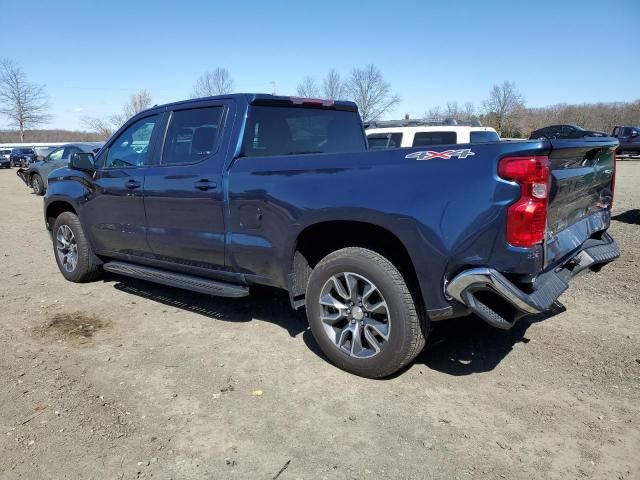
74 256
362 313
37 185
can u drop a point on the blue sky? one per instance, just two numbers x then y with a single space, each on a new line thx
93 54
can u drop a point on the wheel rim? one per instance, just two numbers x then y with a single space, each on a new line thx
67 248
355 315
36 184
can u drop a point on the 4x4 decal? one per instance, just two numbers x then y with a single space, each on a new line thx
447 154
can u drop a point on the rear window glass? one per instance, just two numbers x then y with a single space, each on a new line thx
296 131
382 141
434 138
482 137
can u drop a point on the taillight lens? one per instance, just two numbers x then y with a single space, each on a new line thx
527 217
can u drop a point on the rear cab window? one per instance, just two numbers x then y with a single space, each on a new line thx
383 141
423 139
483 137
276 130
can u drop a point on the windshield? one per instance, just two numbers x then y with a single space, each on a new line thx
483 137
5 152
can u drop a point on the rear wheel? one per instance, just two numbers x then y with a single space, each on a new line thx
37 184
362 313
74 256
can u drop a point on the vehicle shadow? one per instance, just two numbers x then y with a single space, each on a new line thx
467 345
264 303
630 216
457 347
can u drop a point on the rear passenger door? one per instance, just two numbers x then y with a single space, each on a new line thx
184 200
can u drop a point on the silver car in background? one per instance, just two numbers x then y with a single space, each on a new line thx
36 174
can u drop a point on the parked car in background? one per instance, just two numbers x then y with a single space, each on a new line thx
564 132
22 157
629 138
36 174
5 158
422 133
218 194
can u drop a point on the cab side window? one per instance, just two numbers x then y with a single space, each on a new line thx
192 136
131 148
56 155
423 139
70 151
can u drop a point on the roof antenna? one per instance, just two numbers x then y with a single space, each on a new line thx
274 88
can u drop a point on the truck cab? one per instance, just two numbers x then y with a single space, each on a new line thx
629 138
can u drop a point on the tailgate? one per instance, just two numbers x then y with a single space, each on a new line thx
582 176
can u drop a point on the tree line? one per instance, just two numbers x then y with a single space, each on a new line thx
25 104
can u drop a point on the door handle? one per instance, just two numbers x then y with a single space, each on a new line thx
204 184
132 184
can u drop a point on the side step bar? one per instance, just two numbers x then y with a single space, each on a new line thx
467 287
178 280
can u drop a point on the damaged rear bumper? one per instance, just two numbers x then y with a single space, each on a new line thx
24 175
500 302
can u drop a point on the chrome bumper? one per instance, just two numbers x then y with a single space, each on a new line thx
500 302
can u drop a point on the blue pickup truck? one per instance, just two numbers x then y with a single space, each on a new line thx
217 194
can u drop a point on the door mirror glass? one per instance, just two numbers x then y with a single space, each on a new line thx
83 161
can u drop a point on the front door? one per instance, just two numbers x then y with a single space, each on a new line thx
115 211
184 198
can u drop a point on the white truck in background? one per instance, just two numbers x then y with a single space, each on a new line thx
382 135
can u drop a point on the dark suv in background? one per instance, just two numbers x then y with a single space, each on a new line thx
564 131
5 160
22 157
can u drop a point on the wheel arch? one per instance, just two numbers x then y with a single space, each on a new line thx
54 209
318 240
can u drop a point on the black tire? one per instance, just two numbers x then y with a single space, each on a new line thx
37 184
87 267
407 328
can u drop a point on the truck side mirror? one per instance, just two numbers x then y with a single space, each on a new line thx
83 161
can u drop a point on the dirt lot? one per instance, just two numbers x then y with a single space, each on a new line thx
124 379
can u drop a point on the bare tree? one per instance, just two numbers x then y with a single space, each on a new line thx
218 82
434 113
368 88
105 127
139 101
25 104
333 87
468 111
308 88
502 105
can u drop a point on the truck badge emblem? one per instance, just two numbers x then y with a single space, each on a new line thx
447 154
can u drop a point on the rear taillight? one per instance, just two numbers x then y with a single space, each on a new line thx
527 217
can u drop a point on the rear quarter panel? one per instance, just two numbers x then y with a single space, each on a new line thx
448 213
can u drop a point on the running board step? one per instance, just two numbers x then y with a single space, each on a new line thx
178 280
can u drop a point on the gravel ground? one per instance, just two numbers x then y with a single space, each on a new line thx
125 379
